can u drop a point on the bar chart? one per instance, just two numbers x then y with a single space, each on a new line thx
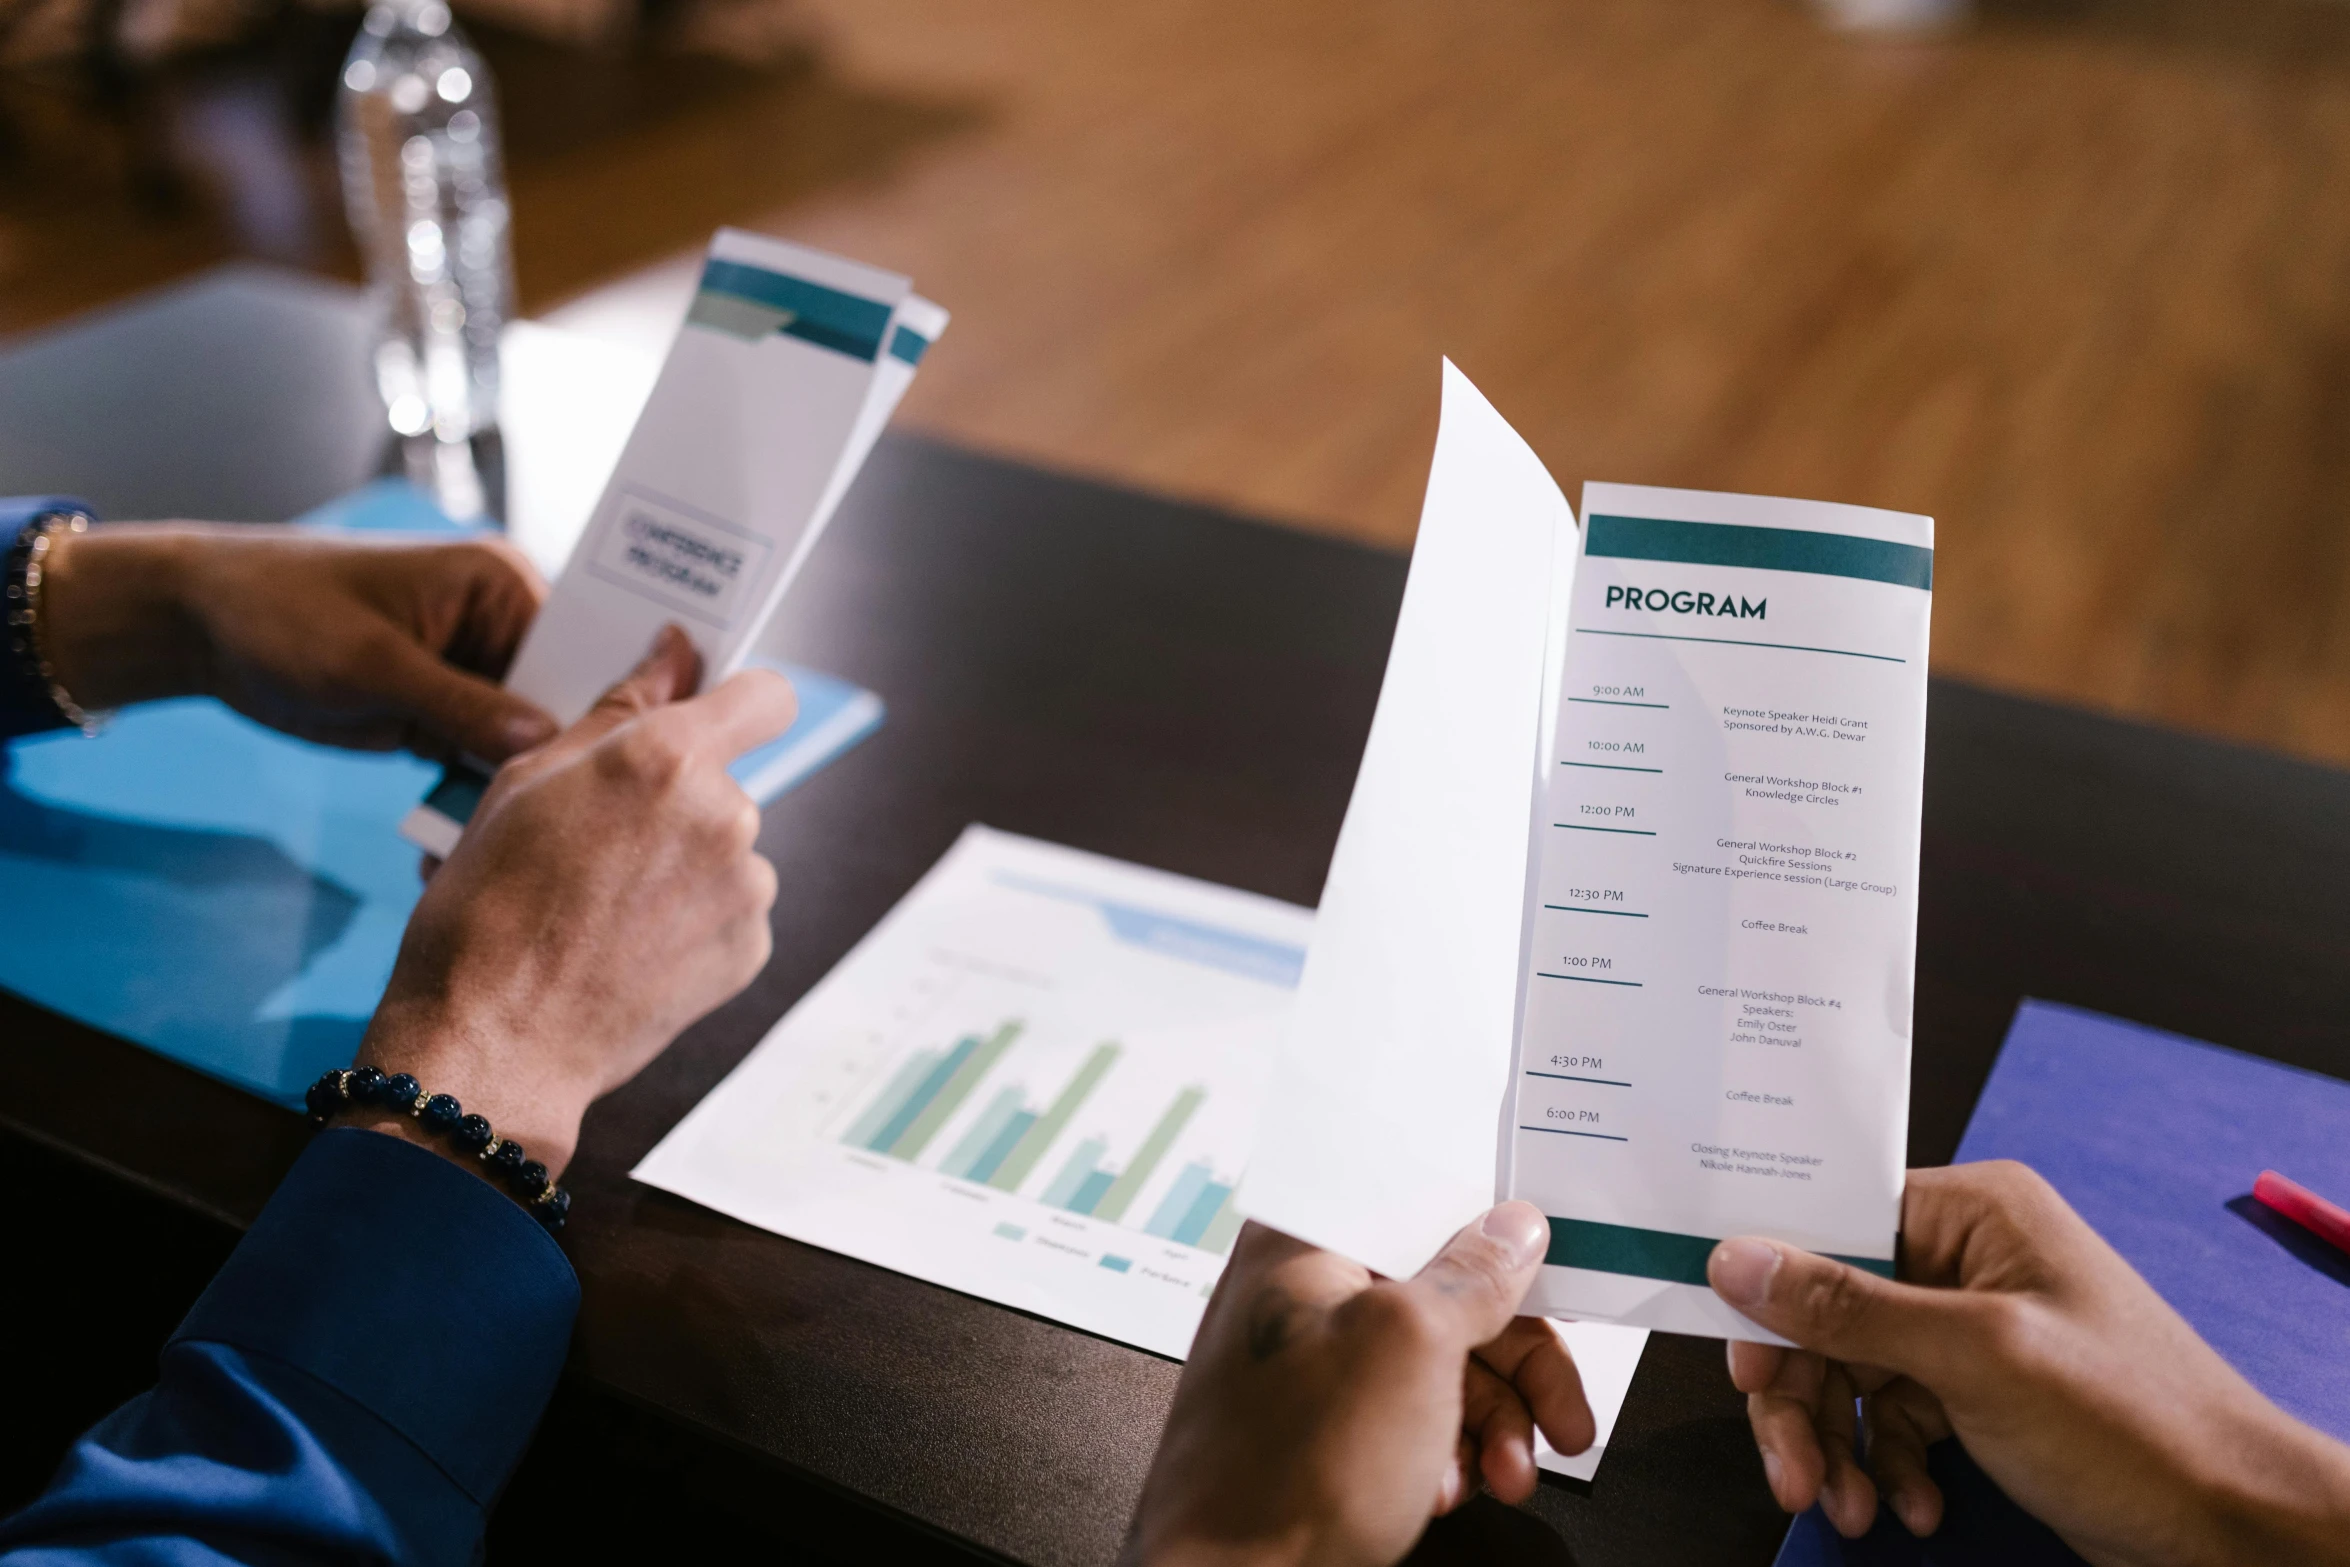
1037 1080
1005 1142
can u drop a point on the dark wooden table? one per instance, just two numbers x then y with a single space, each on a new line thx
1169 685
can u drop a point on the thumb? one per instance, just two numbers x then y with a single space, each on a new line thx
1475 1284
480 717
669 671
1840 1311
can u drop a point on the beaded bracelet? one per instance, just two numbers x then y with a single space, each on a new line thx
22 576
444 1117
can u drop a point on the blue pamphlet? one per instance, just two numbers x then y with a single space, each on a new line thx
233 898
2156 1139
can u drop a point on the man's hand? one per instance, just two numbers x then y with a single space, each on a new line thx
605 895
1325 1415
2072 1384
367 643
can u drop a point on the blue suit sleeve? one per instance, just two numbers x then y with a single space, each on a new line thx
24 708
355 1386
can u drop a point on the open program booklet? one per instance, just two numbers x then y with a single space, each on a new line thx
1623 916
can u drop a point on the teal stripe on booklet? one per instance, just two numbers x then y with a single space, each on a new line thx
1647 1254
907 344
1774 549
749 302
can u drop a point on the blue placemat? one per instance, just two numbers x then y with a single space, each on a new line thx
233 898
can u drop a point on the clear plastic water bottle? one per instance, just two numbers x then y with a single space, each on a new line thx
426 191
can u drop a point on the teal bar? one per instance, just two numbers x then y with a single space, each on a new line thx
919 1101
975 1143
1648 1254
1774 549
1090 1193
1116 1264
943 1105
1073 1173
1178 1201
901 1088
998 1151
1204 1207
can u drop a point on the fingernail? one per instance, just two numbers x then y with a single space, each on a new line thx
1741 1271
664 645
524 730
1771 1470
1520 1228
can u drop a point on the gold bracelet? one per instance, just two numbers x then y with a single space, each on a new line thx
44 534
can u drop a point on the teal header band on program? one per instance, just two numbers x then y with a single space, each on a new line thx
809 311
1647 1254
1774 549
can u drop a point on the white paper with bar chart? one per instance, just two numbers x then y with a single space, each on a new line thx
1037 1080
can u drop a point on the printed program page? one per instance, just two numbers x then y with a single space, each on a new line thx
1721 922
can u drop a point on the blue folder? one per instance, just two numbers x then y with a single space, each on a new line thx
2155 1139
233 898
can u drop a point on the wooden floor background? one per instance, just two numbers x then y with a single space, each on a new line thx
2076 281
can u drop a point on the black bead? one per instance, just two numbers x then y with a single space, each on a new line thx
554 1210
367 1086
506 1158
531 1179
400 1090
471 1135
325 1098
440 1112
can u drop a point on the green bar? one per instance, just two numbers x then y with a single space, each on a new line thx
951 1095
1039 1137
1154 1148
901 1088
1775 549
1647 1254
1217 1237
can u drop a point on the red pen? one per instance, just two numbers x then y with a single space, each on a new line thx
2304 1207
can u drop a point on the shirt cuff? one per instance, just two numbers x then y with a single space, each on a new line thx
415 1289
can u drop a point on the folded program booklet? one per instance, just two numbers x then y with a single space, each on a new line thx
781 379
1713 898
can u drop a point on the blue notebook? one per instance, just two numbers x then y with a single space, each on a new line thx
232 898
2156 1139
